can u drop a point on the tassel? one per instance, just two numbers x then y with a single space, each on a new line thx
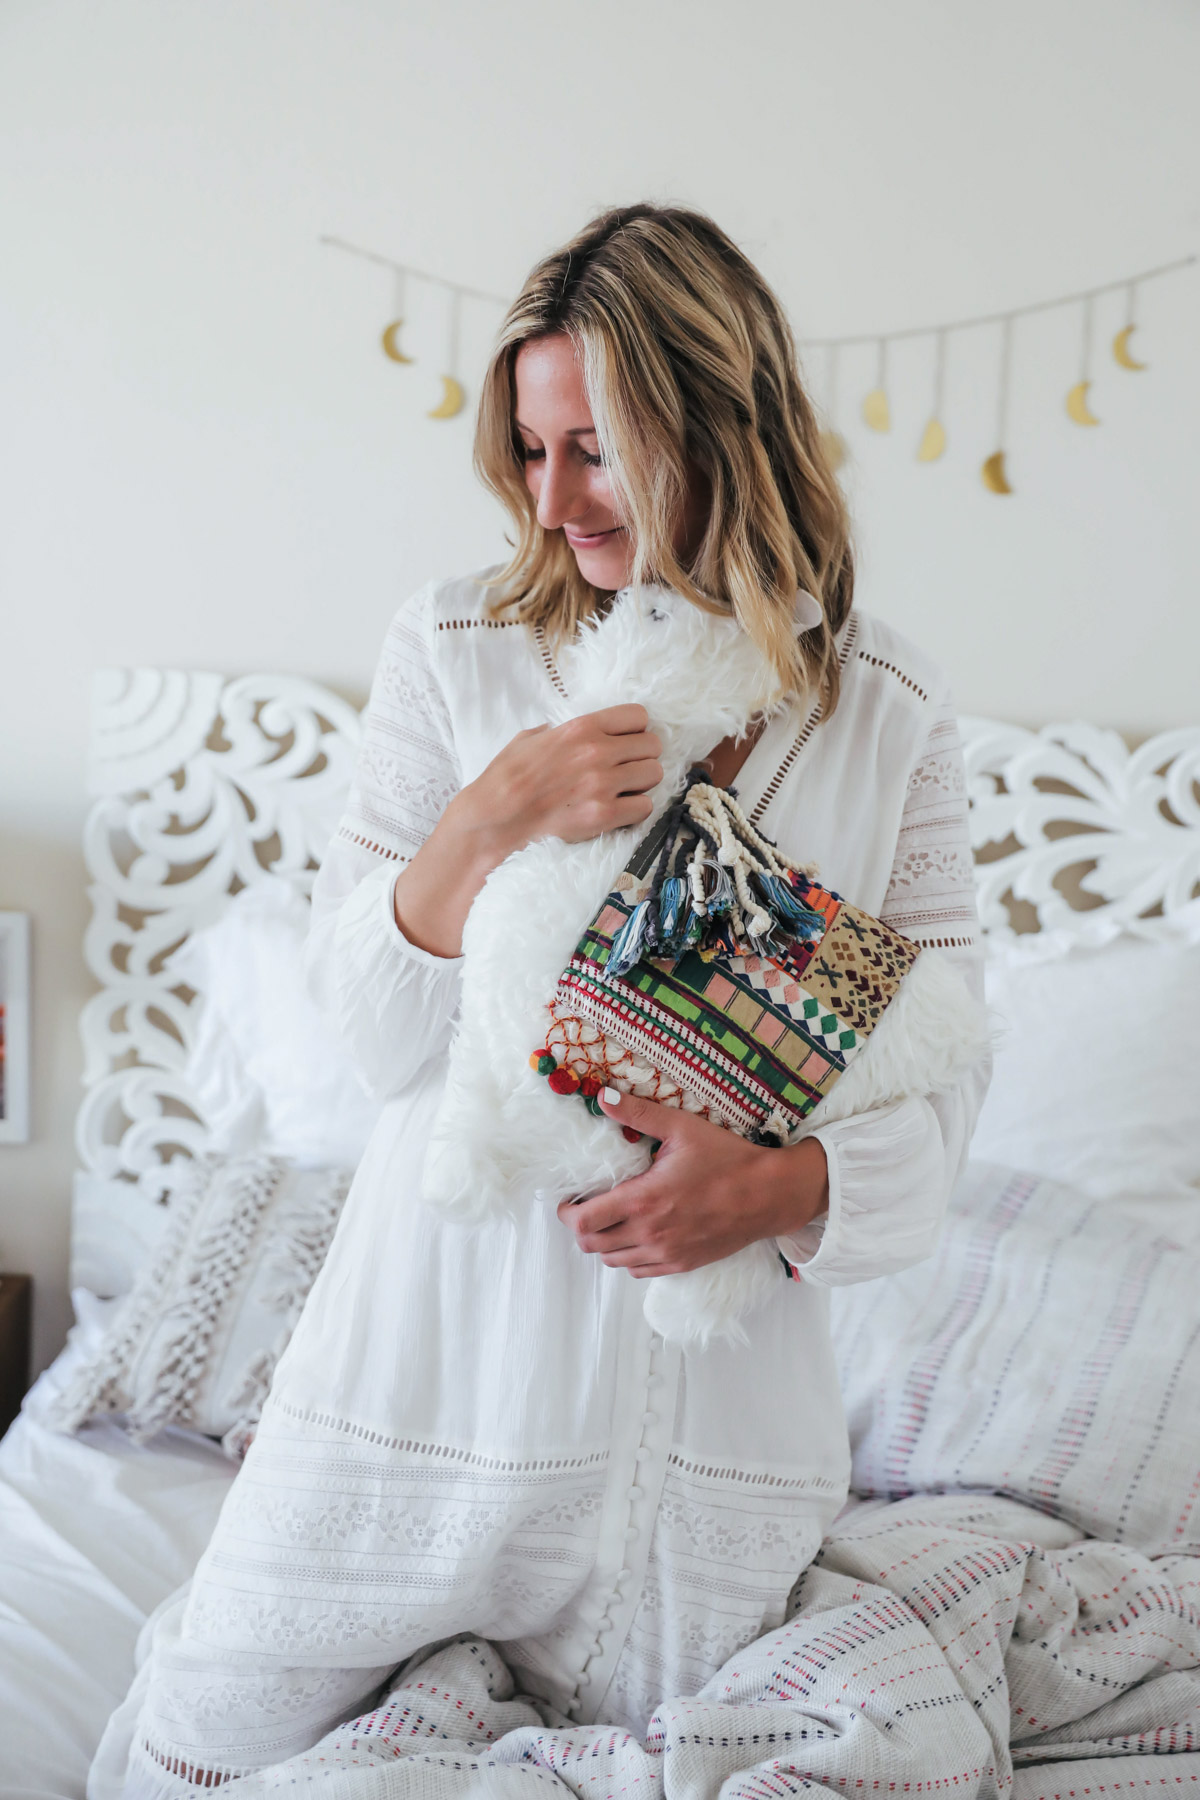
722 896
629 941
670 912
787 906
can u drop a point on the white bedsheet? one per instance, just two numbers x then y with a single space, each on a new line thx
94 1534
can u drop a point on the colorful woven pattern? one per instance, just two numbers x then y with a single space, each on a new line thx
741 1035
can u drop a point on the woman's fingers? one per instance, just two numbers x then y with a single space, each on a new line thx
628 716
639 777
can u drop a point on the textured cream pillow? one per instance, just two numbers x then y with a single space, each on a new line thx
196 1340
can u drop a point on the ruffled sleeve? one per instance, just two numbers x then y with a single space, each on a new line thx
891 1171
392 1004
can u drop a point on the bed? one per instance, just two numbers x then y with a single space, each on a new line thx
204 788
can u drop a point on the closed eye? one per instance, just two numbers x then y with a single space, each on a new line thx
528 455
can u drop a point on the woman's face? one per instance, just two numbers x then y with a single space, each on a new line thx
563 470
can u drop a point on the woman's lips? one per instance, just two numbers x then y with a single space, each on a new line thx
585 541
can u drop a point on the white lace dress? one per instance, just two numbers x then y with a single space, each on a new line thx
474 1429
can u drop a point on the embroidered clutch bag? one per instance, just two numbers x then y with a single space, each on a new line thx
718 977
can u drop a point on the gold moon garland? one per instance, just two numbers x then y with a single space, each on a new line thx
1077 397
832 441
1120 344
451 401
1120 349
876 404
933 438
390 347
1077 404
453 395
994 472
876 407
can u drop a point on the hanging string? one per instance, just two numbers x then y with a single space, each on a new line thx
993 472
875 408
933 438
455 330
1013 312
831 384
1005 383
388 262
832 441
939 374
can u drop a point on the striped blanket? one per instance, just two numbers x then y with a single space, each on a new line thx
939 1645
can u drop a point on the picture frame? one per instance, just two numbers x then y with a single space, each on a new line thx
14 1028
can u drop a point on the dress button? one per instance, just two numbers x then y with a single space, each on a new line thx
631 1534
649 1418
634 1493
642 1454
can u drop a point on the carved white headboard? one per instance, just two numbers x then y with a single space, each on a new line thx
1076 833
204 785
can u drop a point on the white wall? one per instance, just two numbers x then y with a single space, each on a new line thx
205 460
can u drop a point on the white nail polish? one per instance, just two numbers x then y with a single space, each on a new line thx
610 1096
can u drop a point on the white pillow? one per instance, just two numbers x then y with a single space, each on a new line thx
1097 1080
115 1229
266 1071
196 1340
1048 1351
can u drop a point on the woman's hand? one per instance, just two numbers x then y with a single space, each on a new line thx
573 781
707 1194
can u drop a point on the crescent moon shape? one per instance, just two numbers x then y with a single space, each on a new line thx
933 441
834 446
1121 352
451 401
993 473
876 412
1077 406
390 347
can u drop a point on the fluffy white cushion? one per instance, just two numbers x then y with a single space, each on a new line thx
266 1071
1047 1352
1095 1083
196 1340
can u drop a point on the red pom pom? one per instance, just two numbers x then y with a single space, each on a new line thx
590 1086
635 1137
563 1081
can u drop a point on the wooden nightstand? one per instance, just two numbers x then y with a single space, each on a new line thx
16 1318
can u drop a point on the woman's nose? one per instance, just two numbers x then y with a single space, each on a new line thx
559 498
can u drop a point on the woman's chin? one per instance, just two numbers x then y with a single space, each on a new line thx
605 567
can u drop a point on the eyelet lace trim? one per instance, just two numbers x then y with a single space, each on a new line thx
810 724
548 659
877 662
931 892
443 1452
475 624
407 771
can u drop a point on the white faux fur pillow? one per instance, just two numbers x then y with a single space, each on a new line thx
196 1341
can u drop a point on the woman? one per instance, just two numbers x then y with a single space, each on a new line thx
475 1429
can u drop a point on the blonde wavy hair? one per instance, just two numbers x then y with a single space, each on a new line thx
687 357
